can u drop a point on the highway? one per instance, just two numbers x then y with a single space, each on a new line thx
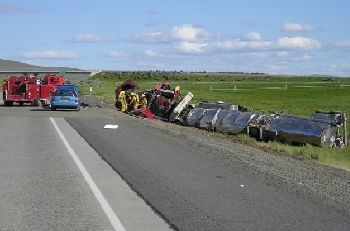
63 171
195 190
51 179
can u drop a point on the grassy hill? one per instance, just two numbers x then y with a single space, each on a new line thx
9 65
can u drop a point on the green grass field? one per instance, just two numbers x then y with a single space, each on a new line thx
294 95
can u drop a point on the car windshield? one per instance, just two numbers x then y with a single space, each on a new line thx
65 93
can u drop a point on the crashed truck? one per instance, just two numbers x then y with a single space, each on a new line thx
163 103
325 129
128 86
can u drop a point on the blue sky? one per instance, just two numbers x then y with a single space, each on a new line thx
271 36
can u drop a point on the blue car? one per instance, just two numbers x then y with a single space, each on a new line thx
65 97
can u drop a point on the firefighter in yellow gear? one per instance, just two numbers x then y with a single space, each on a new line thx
122 101
143 101
134 101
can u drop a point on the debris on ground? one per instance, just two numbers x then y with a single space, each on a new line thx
84 105
111 126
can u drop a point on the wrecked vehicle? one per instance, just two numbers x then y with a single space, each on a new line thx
299 130
338 119
234 122
325 129
128 87
322 129
221 117
163 100
165 104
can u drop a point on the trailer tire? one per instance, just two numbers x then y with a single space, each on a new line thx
21 103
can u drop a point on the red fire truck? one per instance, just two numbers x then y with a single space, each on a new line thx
47 86
29 89
20 89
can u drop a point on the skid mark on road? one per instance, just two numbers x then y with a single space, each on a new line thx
96 191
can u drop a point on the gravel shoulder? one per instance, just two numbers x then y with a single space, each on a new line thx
323 184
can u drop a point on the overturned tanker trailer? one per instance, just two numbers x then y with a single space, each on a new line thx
323 129
221 117
327 129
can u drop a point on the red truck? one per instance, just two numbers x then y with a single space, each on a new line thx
20 89
47 87
29 89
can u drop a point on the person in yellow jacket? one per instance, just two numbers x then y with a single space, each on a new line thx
134 102
122 101
143 101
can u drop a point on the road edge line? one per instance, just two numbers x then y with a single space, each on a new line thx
113 218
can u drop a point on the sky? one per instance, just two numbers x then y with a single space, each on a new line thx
296 37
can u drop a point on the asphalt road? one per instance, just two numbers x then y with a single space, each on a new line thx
194 190
51 179
169 177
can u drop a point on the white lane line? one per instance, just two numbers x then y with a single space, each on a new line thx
103 202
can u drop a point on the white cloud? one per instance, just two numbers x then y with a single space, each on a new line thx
253 41
49 54
285 55
250 41
253 36
298 42
116 54
188 33
87 38
343 44
152 37
192 48
239 44
183 33
295 27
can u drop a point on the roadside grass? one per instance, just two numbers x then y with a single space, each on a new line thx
339 158
294 95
